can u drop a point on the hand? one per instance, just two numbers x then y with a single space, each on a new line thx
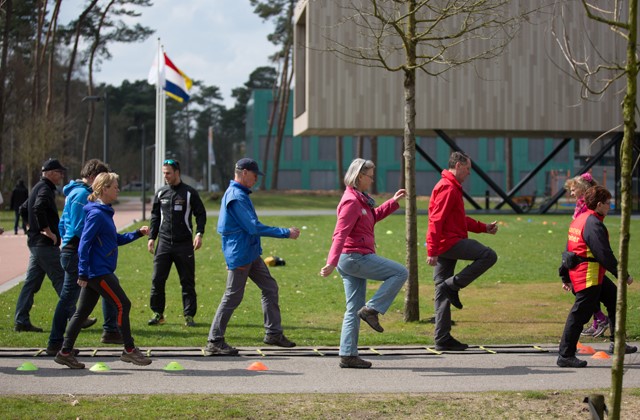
82 283
150 245
399 194
326 270
47 232
197 242
144 230
629 279
432 261
492 228
566 287
294 232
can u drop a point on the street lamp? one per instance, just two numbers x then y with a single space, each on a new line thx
142 170
105 98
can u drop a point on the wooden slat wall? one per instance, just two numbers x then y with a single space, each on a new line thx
523 91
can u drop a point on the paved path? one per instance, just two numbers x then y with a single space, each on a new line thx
399 369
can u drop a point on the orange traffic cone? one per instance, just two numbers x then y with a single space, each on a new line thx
600 355
586 350
579 345
257 366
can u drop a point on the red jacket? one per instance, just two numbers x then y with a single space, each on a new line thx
588 238
448 222
354 228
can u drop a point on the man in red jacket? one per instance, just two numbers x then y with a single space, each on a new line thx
448 241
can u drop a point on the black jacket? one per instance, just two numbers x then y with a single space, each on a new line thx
171 213
41 212
19 195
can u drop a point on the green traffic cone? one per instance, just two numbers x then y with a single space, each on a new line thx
100 367
27 366
173 366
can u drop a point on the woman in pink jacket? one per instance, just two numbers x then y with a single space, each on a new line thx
353 254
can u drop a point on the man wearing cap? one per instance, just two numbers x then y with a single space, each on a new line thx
241 231
173 206
43 239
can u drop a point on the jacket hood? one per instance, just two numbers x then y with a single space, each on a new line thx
92 205
73 185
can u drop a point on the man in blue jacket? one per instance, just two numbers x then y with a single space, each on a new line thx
241 231
70 226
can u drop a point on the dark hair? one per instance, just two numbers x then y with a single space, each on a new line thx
173 163
457 157
595 195
93 168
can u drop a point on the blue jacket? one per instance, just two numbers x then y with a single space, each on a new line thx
98 251
240 229
72 221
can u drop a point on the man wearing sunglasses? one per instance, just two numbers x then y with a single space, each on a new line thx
171 214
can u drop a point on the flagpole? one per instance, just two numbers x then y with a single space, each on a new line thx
160 120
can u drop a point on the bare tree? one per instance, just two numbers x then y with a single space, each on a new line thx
600 68
431 36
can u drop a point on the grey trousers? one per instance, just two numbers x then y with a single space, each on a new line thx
482 257
258 272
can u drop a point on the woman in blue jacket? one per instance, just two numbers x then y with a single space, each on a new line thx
98 258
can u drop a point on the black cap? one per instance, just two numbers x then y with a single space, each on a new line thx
249 165
52 165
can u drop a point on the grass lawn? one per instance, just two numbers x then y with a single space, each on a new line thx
519 300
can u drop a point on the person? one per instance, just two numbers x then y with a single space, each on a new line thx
71 226
241 230
577 186
43 240
97 261
448 241
173 206
353 253
588 240
19 195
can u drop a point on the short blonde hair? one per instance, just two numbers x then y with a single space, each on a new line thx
357 167
581 183
102 181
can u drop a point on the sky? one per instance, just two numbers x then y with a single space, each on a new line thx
219 42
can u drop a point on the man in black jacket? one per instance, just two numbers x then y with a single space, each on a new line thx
173 206
43 239
18 196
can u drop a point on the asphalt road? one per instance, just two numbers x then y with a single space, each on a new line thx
305 370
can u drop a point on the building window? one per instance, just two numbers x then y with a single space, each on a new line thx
535 150
327 148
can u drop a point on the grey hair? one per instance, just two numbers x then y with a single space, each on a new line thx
357 167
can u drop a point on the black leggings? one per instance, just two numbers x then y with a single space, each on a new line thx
108 287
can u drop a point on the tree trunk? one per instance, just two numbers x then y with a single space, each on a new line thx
51 34
339 159
277 93
626 161
374 156
411 302
508 158
282 124
3 68
359 148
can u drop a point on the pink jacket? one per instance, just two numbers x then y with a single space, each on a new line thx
356 221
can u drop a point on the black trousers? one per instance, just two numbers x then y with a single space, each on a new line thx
182 255
109 288
586 303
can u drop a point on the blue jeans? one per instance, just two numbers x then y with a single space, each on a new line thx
42 260
68 298
355 269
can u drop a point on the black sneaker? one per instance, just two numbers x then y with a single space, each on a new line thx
278 340
88 322
53 349
452 295
158 319
354 362
219 348
136 357
627 349
68 360
26 328
572 361
370 316
189 322
451 345
111 337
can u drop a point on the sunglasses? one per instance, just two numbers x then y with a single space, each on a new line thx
172 163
